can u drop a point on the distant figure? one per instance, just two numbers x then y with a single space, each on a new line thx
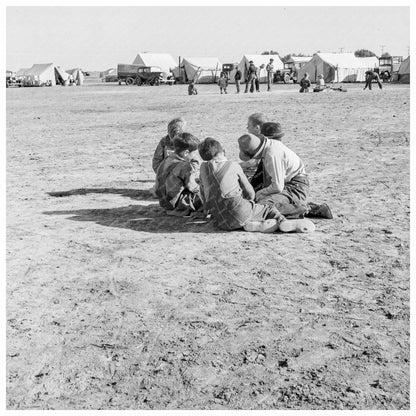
270 73
223 83
369 77
320 84
192 89
237 78
251 77
305 83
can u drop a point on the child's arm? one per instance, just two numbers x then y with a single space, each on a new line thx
158 156
248 191
190 177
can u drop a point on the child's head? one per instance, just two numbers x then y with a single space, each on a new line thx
186 145
176 127
255 121
272 130
210 149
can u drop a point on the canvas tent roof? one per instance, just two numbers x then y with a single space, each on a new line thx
163 60
404 71
44 72
338 67
298 59
21 72
201 69
258 60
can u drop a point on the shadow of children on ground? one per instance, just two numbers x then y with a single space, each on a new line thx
137 194
150 218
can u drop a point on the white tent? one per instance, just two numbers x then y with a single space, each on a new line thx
77 75
404 71
338 67
203 70
163 60
258 60
42 72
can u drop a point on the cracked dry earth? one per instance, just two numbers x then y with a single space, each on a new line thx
113 305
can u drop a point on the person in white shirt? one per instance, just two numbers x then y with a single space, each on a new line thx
285 184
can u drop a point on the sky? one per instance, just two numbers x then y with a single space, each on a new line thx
98 38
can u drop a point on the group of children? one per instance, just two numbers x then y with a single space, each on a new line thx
274 199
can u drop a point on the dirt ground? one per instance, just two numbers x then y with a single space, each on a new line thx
113 305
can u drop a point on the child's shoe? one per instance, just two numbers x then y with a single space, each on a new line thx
298 226
267 226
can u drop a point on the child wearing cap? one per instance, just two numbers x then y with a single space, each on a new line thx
285 182
177 188
229 198
272 131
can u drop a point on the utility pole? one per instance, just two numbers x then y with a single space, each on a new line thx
382 49
341 50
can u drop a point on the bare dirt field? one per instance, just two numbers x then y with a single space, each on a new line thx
113 305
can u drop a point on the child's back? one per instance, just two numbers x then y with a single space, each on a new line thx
176 177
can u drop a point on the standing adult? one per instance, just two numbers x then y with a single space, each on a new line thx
237 77
369 77
270 74
251 77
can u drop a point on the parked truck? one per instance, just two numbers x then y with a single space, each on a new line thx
133 74
388 67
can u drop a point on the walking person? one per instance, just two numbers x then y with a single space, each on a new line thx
270 74
237 78
251 77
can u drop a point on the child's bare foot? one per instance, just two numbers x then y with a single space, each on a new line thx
299 226
267 226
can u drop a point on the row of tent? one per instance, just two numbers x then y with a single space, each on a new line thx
335 67
51 74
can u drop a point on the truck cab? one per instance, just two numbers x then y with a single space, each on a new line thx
388 67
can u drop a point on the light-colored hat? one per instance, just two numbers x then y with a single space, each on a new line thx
249 145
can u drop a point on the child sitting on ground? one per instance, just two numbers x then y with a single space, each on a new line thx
165 145
192 89
177 188
271 131
320 84
229 197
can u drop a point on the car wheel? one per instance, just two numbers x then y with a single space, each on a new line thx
139 81
129 81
